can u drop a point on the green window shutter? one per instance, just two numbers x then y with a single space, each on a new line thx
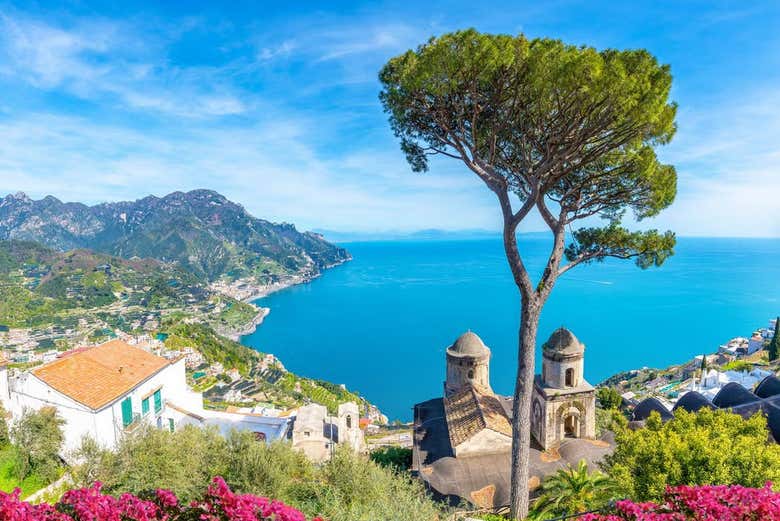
127 411
171 425
145 406
158 400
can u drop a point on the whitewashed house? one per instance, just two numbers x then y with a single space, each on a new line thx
755 343
108 391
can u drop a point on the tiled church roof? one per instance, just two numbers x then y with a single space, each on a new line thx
468 412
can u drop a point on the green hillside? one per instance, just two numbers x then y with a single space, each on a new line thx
39 285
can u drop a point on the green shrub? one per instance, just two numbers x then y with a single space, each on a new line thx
398 458
738 365
609 398
704 448
37 439
350 487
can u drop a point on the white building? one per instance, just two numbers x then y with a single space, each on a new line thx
735 347
714 380
755 343
316 434
108 391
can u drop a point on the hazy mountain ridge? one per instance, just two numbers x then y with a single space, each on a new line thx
200 230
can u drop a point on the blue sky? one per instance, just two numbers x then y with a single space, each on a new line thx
275 105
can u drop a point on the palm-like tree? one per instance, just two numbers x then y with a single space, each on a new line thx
571 491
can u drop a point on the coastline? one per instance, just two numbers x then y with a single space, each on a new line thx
263 290
248 291
250 327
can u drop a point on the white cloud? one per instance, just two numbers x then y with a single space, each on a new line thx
267 168
347 42
112 62
281 50
728 163
165 126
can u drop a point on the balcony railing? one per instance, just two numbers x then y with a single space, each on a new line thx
134 423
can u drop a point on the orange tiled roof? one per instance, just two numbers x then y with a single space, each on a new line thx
469 411
98 376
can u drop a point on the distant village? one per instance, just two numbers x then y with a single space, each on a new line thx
742 361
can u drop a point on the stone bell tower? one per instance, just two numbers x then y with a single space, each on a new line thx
468 363
564 404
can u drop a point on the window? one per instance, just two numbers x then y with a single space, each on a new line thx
569 377
171 425
145 406
349 422
158 400
127 411
471 374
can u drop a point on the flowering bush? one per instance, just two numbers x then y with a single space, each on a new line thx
700 503
90 504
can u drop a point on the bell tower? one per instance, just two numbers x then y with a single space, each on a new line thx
564 404
468 363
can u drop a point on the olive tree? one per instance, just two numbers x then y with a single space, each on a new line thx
37 438
566 131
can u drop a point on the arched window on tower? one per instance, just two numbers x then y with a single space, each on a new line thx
349 422
570 377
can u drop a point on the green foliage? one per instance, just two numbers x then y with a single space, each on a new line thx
213 347
20 307
609 420
37 439
648 248
9 479
708 447
39 286
549 121
348 488
236 314
398 458
572 490
609 398
5 434
318 391
774 345
738 365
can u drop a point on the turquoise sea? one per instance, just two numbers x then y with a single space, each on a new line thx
380 323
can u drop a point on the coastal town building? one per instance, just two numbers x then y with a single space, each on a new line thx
316 433
462 441
712 381
108 391
735 347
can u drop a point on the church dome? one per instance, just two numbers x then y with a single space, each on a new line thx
468 344
563 342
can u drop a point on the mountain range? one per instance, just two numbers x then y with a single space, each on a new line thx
200 231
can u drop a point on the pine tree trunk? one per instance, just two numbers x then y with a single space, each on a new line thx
521 408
